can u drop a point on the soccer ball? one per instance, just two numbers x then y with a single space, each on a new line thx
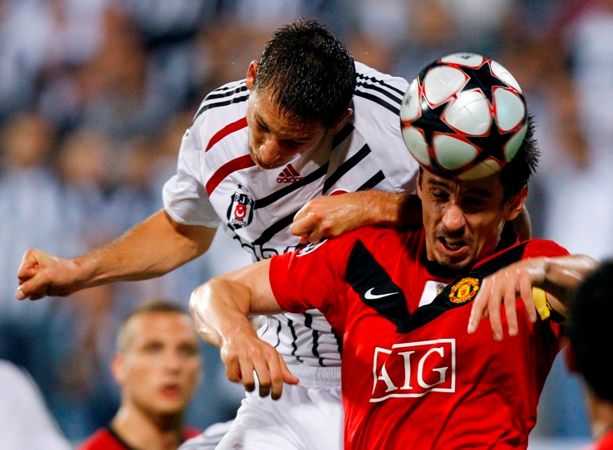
464 116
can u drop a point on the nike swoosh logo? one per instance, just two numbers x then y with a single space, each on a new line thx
370 296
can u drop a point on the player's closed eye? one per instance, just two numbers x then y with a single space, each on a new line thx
260 126
292 143
153 348
188 350
471 204
439 195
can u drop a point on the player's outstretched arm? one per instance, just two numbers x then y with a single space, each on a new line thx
221 308
152 248
558 276
332 215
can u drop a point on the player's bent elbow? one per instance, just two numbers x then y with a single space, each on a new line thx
195 301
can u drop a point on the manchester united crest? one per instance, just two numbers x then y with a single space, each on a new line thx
240 211
464 290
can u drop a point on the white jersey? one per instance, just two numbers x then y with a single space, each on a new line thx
218 182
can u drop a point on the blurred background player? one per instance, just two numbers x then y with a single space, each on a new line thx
157 367
590 348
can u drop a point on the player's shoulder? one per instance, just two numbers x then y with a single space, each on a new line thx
543 247
221 113
223 103
366 75
380 239
376 105
102 439
226 94
377 93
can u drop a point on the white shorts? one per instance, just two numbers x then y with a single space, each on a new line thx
308 416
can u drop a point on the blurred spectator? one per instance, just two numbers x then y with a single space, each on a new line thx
588 35
157 366
590 342
31 211
40 40
25 422
431 33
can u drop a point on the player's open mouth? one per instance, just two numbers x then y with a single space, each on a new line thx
452 246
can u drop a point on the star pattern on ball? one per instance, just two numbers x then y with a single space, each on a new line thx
483 78
430 121
494 143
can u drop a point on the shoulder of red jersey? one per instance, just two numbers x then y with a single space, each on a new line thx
543 247
190 432
102 439
372 236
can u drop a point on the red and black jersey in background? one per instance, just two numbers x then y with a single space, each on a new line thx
108 439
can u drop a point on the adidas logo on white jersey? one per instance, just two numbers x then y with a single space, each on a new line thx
288 175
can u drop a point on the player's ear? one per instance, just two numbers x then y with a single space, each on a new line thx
117 368
251 71
420 175
336 125
516 204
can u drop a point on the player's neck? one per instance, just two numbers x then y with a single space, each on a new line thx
142 431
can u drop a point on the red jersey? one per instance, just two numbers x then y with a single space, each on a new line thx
412 377
107 439
605 443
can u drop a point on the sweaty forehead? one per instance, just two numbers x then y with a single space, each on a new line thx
486 187
156 326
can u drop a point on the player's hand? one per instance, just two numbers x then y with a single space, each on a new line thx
502 289
41 274
246 356
330 216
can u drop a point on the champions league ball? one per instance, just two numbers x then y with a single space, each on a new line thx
464 116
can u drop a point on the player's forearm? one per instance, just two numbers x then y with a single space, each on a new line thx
150 249
393 210
221 309
564 274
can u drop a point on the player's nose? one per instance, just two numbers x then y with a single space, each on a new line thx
172 361
453 218
270 150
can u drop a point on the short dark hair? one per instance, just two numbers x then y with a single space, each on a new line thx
309 73
517 172
589 330
148 307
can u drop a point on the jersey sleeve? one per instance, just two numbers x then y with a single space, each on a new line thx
185 198
313 277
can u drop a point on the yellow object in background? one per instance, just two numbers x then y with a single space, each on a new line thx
540 301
